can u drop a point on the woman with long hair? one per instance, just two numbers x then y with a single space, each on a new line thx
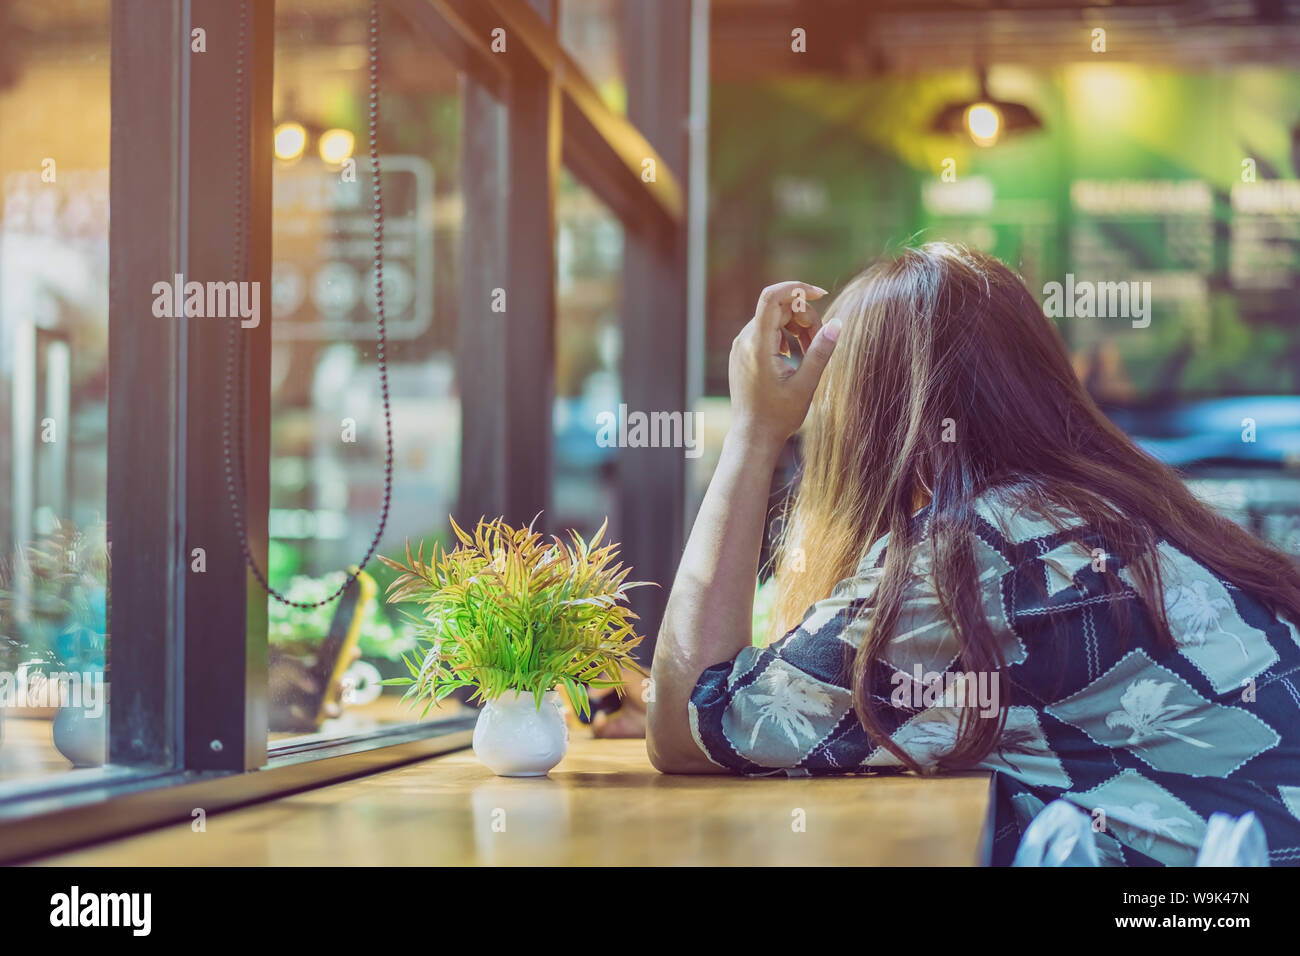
978 570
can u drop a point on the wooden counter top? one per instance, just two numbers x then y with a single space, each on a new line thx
603 805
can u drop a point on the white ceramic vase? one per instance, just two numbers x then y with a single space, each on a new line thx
516 738
81 738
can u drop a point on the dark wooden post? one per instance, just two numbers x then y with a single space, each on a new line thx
652 481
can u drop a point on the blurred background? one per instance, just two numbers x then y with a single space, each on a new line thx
1136 142
1151 142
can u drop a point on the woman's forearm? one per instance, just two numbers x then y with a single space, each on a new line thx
709 617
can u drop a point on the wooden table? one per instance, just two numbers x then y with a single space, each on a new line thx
603 805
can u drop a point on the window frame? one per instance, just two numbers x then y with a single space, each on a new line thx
190 716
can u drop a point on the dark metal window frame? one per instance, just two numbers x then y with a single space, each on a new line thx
507 366
188 710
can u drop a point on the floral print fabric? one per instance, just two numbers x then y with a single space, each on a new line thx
1150 742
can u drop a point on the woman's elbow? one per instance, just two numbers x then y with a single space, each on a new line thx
682 764
659 760
678 758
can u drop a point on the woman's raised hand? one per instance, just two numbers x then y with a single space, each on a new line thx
769 399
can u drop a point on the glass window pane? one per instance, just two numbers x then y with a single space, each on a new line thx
592 32
54 157
588 386
328 439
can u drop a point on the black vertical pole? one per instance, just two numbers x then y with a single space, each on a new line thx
533 169
225 702
652 481
483 336
144 474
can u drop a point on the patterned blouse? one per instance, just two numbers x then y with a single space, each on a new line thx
1149 742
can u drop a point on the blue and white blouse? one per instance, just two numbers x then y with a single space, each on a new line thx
1149 742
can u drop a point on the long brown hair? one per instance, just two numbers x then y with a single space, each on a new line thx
945 339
